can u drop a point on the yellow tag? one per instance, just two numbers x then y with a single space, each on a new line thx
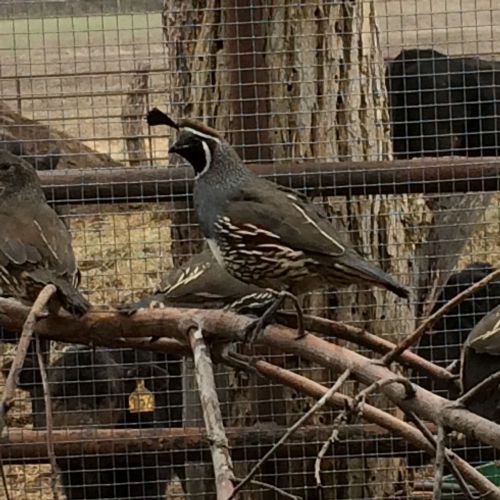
141 400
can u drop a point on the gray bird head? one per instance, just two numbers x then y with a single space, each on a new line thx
17 178
197 143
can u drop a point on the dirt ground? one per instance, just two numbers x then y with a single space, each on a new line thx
122 251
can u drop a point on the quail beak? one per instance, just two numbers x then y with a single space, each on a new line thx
182 143
176 148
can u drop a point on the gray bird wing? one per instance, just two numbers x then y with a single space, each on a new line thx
202 282
266 215
37 239
202 279
36 244
283 216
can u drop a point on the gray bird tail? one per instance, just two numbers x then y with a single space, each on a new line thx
71 299
357 270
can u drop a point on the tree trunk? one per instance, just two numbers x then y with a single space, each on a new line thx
284 82
38 141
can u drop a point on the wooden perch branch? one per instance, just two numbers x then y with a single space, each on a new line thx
226 326
366 339
133 116
219 446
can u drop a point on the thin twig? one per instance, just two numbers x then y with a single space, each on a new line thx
360 398
219 445
431 320
318 405
340 420
439 463
453 464
18 362
48 419
421 438
271 487
345 415
474 391
22 348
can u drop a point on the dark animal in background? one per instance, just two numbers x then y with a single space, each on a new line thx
35 245
261 233
91 388
480 359
444 345
201 282
442 105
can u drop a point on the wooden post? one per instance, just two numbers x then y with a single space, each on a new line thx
133 113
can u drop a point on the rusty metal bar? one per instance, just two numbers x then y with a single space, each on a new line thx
428 176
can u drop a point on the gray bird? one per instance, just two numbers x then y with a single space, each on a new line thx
202 283
35 246
480 359
261 233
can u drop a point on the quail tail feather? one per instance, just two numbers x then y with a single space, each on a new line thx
354 269
72 300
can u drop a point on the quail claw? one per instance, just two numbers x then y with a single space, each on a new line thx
156 304
254 329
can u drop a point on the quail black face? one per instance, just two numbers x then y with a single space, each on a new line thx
197 143
197 147
193 149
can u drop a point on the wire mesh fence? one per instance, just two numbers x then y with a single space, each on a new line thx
338 100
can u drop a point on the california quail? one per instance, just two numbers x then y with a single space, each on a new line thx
259 232
480 359
202 283
35 246
262 233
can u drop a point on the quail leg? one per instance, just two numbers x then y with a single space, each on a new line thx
256 327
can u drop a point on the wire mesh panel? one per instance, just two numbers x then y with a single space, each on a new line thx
333 88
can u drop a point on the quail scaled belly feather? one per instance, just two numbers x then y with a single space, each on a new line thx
260 233
35 245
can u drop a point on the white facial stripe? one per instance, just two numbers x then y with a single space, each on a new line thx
216 251
201 134
323 233
208 159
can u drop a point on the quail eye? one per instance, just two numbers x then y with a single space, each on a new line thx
5 166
